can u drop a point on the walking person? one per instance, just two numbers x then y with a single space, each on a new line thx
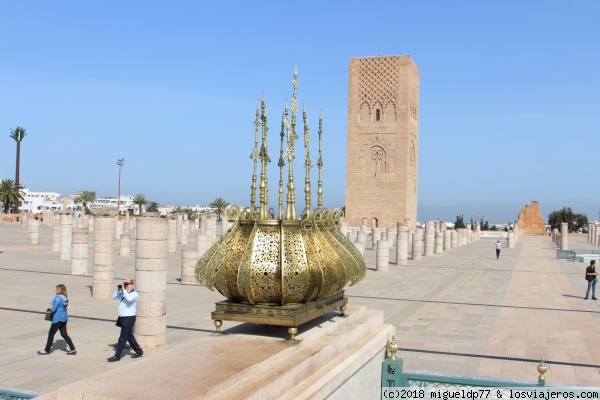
59 321
498 247
592 278
127 312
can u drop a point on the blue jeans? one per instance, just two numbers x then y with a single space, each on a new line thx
127 324
592 286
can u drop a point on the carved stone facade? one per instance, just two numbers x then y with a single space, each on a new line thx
383 141
531 222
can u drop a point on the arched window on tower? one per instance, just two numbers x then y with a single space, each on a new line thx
378 115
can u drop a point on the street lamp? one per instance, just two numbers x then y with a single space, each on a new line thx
120 163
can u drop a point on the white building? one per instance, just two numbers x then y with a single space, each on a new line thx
35 201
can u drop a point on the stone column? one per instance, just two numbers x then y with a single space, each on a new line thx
79 260
564 236
224 225
151 281
417 248
184 231
90 222
189 259
201 244
429 238
411 235
119 229
596 233
447 239
104 248
34 231
454 239
55 233
469 236
124 249
510 242
459 237
402 245
203 224
439 241
554 234
66 235
516 232
171 235
179 220
197 223
382 260
361 237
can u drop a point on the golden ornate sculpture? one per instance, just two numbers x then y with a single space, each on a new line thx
277 261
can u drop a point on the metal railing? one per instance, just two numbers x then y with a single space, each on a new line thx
573 254
7 393
392 375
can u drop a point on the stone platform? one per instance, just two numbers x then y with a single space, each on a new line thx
255 364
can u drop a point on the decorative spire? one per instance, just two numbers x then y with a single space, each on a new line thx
307 165
281 163
254 155
320 163
264 158
290 213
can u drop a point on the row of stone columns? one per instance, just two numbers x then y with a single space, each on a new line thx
410 243
70 238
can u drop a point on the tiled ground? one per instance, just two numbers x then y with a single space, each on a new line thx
527 305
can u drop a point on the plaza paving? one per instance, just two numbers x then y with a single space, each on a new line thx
459 312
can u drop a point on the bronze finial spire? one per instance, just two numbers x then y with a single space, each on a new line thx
264 158
254 155
281 163
290 213
307 165
320 163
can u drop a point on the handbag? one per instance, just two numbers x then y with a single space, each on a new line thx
48 316
596 280
119 323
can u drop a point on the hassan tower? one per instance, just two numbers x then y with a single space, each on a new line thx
383 141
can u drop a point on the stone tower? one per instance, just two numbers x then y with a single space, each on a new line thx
383 141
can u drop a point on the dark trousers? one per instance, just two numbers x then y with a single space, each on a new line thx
62 327
497 253
127 324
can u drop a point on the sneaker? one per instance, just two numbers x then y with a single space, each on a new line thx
43 353
72 352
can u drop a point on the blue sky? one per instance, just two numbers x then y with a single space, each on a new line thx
509 101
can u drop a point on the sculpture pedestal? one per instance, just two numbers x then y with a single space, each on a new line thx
337 358
291 315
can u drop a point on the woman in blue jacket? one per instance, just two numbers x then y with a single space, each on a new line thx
59 320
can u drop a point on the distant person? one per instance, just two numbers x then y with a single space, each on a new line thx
498 247
592 278
127 312
59 321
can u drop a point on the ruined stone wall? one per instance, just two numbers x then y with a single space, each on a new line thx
531 222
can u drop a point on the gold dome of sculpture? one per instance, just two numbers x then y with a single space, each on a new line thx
281 259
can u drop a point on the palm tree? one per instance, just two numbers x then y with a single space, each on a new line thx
141 200
17 134
152 206
178 210
9 194
220 205
84 197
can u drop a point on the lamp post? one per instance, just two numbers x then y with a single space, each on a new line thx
120 163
